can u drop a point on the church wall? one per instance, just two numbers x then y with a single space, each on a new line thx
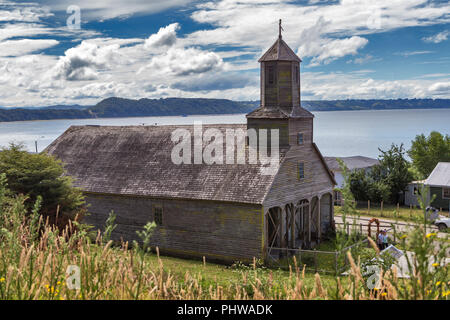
219 231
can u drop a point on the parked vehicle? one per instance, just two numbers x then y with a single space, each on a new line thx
443 223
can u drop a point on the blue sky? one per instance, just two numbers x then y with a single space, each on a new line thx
362 49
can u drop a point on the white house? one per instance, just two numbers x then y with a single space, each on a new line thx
353 163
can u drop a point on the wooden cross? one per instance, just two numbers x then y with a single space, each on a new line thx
280 28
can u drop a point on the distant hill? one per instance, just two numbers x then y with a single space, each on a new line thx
337 105
120 107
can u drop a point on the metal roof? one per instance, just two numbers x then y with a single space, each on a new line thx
440 177
352 163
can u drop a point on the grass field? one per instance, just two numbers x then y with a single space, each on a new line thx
230 276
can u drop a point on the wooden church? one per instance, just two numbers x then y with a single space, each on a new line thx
225 212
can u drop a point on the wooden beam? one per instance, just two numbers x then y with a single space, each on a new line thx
293 220
318 218
309 223
283 227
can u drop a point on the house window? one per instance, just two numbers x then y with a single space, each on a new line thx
158 215
301 171
300 138
446 193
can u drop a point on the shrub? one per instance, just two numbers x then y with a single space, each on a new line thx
41 175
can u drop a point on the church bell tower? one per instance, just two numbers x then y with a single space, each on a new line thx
280 96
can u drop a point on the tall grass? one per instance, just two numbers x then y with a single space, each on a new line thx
35 255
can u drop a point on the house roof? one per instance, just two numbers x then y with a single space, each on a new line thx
440 176
352 163
136 160
279 51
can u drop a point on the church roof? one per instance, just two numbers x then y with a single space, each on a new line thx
136 160
280 113
279 51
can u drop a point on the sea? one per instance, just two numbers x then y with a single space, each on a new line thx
337 133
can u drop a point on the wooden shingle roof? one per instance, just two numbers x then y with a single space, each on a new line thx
280 113
279 51
136 160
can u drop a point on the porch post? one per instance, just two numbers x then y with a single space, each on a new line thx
309 221
318 218
293 212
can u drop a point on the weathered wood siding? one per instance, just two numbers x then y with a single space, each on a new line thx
304 126
217 230
287 188
281 124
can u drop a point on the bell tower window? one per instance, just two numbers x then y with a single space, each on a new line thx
270 75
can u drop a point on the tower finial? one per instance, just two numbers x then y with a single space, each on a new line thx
280 28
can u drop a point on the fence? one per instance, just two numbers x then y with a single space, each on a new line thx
387 210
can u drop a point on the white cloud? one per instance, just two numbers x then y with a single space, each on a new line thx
24 46
82 62
23 12
440 88
364 59
437 38
181 61
167 65
310 28
334 49
166 37
413 53
108 9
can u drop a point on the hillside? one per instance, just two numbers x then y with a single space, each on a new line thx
120 107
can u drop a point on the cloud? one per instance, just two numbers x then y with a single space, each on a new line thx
364 59
182 61
311 28
23 12
216 81
166 37
437 38
82 62
440 88
413 53
109 9
24 46
334 49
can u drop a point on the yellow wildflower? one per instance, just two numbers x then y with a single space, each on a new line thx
435 264
438 283
2 279
403 236
432 234
384 294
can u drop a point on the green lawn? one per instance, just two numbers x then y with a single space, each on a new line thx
227 275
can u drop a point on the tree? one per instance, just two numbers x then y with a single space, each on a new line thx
393 171
426 152
359 185
42 175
